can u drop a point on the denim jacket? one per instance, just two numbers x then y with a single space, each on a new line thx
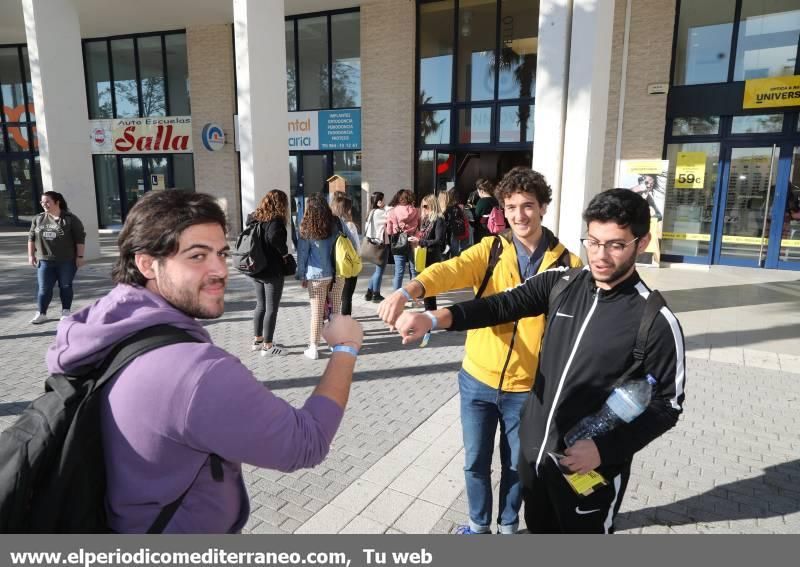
314 258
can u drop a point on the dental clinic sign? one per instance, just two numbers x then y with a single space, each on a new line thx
151 135
325 130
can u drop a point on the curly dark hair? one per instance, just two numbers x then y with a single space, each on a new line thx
484 185
317 223
404 197
524 180
622 207
154 227
274 205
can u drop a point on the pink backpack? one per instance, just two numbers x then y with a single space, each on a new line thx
496 223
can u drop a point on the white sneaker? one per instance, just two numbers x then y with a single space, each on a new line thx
39 319
65 313
311 352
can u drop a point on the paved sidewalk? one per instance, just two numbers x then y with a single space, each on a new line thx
731 465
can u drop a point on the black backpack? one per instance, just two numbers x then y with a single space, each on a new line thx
52 472
249 256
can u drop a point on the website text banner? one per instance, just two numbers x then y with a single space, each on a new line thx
394 551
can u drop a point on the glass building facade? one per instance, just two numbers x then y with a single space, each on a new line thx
134 77
745 208
323 72
476 82
20 175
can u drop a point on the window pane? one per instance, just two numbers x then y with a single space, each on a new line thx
695 125
178 75
183 171
475 125
757 124
26 67
435 52
516 123
107 190
425 173
688 212
11 85
434 126
23 190
767 44
5 196
476 49
125 78
703 48
98 80
151 73
346 45
18 138
313 73
790 236
291 72
519 41
348 165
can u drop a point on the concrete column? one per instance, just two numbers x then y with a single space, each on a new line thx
59 96
387 97
587 104
552 68
261 88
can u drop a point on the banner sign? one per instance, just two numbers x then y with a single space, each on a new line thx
774 92
150 135
690 170
325 130
649 179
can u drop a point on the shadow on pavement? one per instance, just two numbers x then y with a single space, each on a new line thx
775 493
721 297
746 339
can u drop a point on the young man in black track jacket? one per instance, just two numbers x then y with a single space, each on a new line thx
588 344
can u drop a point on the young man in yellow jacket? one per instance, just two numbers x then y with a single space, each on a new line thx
500 362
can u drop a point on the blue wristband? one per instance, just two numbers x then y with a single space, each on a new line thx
348 349
404 292
434 320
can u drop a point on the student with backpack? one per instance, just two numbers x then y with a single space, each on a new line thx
431 237
500 361
456 222
342 209
402 221
272 215
159 444
316 267
486 210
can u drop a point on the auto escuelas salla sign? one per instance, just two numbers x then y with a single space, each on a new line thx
150 135
774 92
325 130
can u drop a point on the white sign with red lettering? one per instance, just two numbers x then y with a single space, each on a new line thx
151 135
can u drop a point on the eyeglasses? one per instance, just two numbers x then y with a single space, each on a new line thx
614 247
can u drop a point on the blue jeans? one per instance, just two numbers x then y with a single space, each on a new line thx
48 273
482 408
374 284
400 267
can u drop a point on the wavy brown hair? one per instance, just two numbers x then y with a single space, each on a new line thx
274 205
405 197
317 223
342 206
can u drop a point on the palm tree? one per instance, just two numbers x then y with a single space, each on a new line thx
428 125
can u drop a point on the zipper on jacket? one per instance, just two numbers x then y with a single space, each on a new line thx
563 377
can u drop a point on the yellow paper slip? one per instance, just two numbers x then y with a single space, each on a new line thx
582 484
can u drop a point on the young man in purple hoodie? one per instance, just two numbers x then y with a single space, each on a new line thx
171 409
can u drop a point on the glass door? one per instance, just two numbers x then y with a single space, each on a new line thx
789 246
133 180
748 184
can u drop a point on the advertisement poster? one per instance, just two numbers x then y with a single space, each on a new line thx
649 179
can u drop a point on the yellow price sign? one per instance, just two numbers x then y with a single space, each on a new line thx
690 170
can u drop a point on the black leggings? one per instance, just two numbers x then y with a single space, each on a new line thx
347 295
268 297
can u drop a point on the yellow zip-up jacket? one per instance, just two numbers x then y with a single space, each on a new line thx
486 349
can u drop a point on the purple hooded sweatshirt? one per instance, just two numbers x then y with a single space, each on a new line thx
171 408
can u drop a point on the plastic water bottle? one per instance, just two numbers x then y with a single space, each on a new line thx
626 403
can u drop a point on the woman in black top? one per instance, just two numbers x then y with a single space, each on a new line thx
431 236
59 238
272 213
483 207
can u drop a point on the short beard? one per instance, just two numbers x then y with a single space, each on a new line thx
619 272
187 302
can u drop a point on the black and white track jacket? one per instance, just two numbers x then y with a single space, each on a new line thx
588 344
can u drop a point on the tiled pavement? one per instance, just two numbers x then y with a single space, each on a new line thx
731 465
